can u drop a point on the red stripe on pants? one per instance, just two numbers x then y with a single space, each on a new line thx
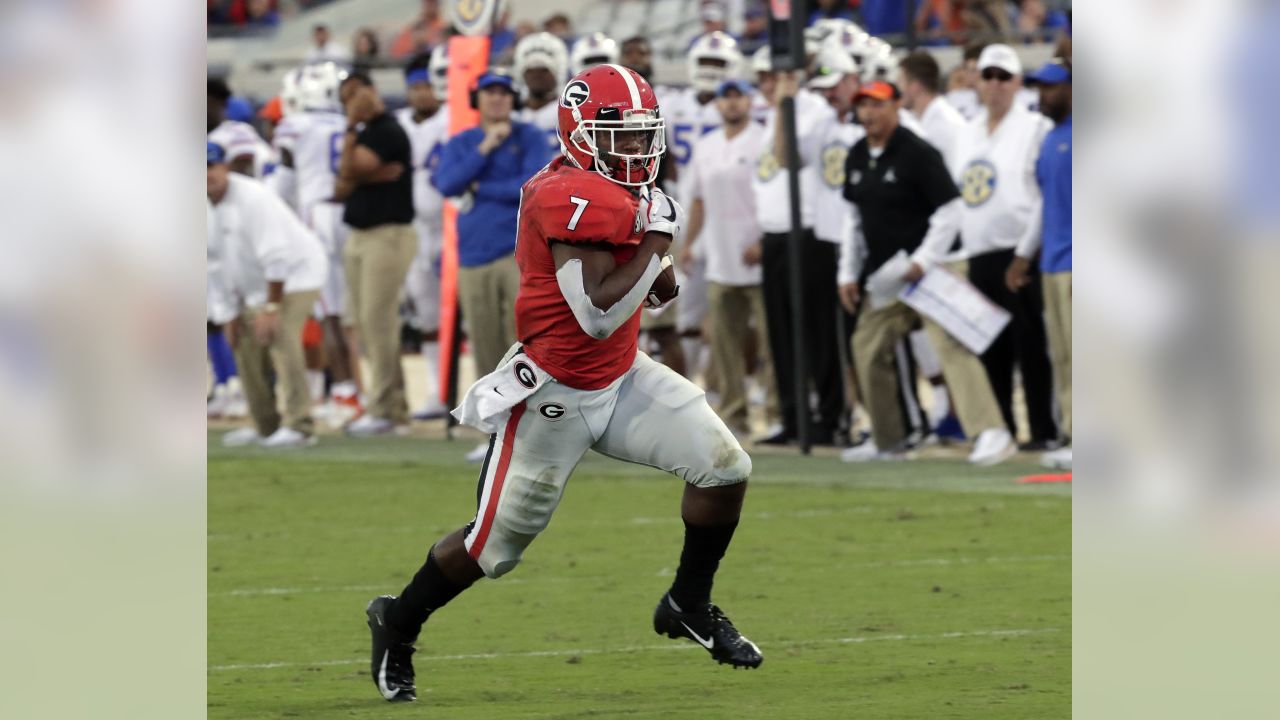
495 491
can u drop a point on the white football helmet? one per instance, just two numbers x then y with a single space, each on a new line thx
761 61
319 87
713 58
438 67
291 92
541 50
594 49
853 40
827 27
880 63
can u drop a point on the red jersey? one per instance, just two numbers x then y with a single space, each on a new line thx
571 205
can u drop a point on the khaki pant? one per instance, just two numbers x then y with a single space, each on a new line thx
376 261
731 311
1057 311
873 355
255 361
487 294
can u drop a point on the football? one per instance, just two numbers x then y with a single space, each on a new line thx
664 288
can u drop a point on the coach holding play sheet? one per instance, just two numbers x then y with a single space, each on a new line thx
376 181
906 202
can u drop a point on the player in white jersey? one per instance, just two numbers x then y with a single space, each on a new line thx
427 126
594 49
691 114
247 153
310 143
541 68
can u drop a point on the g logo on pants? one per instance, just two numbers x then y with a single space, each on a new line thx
552 411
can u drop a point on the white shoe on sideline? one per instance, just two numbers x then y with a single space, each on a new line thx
287 437
478 453
868 452
1059 459
993 446
367 426
241 437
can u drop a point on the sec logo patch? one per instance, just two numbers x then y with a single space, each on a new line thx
767 167
833 157
978 182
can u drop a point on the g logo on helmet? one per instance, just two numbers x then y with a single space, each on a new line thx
551 411
474 17
575 93
525 375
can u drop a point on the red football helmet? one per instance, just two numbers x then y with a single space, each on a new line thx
610 123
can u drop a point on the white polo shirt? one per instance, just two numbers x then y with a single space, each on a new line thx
773 198
996 176
941 125
254 238
720 174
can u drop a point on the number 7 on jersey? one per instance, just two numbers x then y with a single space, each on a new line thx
577 214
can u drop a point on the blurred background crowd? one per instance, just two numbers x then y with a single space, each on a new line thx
985 85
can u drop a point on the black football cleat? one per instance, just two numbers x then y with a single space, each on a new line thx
392 664
710 628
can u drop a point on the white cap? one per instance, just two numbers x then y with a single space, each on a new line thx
1000 56
831 65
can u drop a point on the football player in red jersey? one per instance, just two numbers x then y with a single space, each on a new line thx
591 245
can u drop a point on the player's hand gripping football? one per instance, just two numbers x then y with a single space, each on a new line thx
664 288
661 213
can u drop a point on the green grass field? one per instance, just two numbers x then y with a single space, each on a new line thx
927 589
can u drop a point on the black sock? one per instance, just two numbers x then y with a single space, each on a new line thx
429 591
703 548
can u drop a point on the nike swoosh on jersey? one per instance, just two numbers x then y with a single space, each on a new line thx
708 644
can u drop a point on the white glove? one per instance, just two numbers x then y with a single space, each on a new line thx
661 213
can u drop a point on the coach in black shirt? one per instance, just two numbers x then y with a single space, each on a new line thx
906 201
375 181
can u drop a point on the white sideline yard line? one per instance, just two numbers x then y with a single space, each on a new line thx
643 648
665 572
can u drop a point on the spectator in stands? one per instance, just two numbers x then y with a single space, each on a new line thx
261 13
1037 23
1053 175
502 41
713 17
325 48
421 35
987 20
375 182
995 160
266 269
755 29
483 169
884 17
830 9
938 22
364 50
560 26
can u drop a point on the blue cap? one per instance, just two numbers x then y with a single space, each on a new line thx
417 75
490 79
1054 72
738 84
239 109
214 154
